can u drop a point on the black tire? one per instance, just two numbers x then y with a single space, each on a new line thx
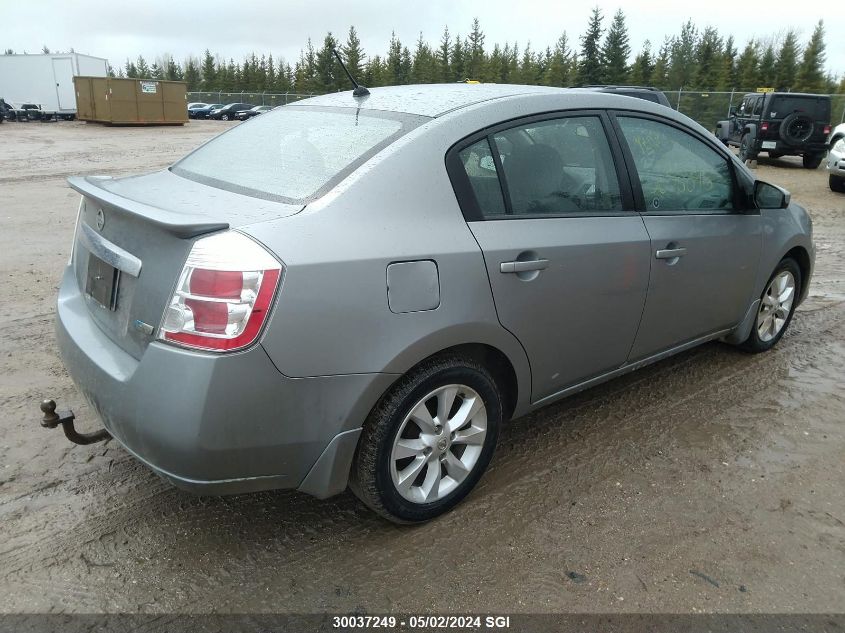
796 128
812 161
745 151
753 343
370 479
836 183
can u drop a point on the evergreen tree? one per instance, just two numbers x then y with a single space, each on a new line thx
660 72
443 55
682 57
590 68
457 57
394 62
616 51
708 56
330 76
726 75
811 76
643 68
209 72
748 68
559 70
475 52
786 66
192 74
767 66
353 53
131 69
424 67
143 71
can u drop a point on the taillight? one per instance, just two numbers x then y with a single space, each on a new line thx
223 296
764 126
826 130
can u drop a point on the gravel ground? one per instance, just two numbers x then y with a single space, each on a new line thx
710 482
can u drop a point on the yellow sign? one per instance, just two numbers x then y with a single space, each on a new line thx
765 89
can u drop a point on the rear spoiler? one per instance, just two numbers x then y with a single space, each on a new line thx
178 224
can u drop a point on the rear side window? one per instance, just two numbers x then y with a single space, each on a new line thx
559 166
477 160
293 153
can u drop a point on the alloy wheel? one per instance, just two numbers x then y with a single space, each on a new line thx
438 443
775 306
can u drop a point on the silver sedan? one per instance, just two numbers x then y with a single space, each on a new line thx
836 159
359 291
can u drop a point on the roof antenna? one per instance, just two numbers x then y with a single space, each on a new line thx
360 91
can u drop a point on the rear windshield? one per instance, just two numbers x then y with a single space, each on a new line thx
782 106
293 153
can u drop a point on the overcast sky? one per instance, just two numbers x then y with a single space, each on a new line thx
233 28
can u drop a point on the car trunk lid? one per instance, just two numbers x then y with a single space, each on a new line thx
133 236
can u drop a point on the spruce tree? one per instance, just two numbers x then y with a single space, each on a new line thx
767 66
209 72
786 66
475 51
641 71
811 76
748 68
616 51
443 55
590 68
558 72
353 53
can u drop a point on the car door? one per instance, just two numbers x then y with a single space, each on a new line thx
566 255
705 245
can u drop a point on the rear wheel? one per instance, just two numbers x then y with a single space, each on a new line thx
745 151
812 161
428 441
777 305
836 183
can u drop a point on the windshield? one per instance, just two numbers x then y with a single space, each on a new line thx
293 153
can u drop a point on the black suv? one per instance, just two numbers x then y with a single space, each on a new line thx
640 92
780 123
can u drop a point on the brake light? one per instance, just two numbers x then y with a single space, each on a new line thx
223 296
826 130
764 126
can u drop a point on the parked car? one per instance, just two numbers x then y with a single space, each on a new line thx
780 123
202 113
243 115
361 292
640 92
836 159
229 111
24 112
193 107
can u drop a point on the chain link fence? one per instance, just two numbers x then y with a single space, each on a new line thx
255 98
708 107
705 107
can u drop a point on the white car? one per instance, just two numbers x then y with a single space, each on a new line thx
836 159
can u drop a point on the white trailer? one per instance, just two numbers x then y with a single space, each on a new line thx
47 80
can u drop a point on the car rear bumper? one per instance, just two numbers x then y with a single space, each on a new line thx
216 424
777 145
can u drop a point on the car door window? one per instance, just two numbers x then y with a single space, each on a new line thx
677 171
480 168
558 166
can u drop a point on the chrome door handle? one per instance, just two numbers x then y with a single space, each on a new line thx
670 253
520 267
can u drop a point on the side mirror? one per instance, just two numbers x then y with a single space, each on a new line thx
732 111
768 196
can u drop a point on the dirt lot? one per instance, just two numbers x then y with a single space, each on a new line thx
713 481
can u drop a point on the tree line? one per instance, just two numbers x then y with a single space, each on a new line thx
693 59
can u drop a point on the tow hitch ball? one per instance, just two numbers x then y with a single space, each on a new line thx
52 419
